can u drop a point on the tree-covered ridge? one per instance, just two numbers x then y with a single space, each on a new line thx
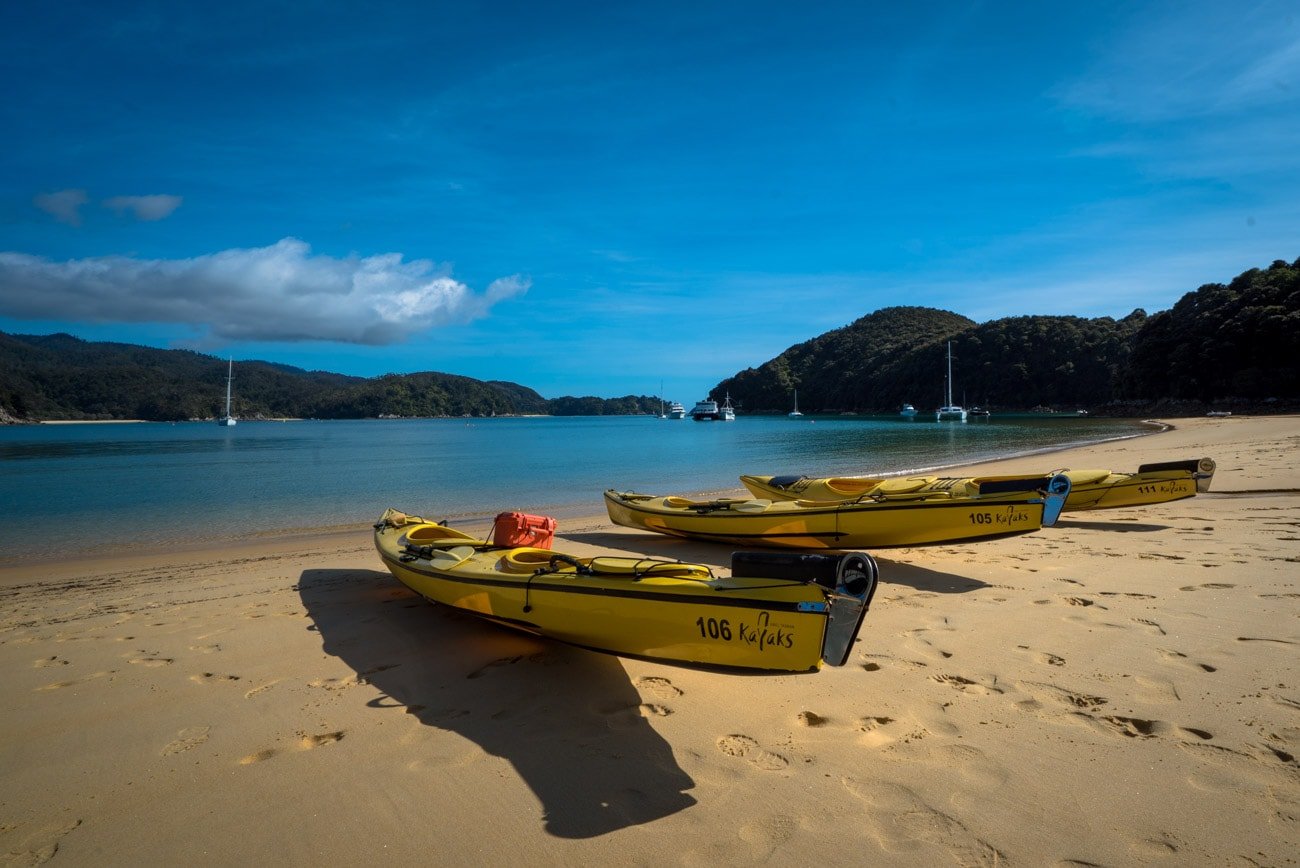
1235 343
61 377
1242 339
842 369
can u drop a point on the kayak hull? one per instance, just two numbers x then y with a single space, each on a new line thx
638 607
836 525
1089 489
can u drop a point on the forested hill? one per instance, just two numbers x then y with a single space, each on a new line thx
1231 346
60 377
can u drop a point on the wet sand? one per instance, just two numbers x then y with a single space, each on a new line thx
1123 688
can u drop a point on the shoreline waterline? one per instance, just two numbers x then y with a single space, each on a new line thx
584 511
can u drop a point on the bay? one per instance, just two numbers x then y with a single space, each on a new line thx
110 487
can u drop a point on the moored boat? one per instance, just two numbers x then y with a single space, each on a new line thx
901 519
1089 489
708 410
705 410
676 410
777 611
950 412
908 410
228 420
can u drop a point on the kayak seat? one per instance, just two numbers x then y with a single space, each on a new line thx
427 533
1086 477
448 558
1010 484
903 486
850 485
525 560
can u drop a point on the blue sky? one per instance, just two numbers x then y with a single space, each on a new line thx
594 198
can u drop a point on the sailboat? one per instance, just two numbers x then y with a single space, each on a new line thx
950 411
227 420
795 411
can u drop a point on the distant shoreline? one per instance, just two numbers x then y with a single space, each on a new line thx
89 421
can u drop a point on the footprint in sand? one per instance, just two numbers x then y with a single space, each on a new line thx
152 661
660 688
901 820
1134 727
212 677
50 661
261 688
1157 848
59 685
765 835
205 649
1059 695
876 731
258 757
1044 657
746 748
191 736
1181 658
1147 622
966 685
928 646
811 719
307 742
337 683
26 845
873 666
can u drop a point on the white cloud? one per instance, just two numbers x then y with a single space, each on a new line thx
276 293
145 207
64 205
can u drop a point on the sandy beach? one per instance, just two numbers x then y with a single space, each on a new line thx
1121 689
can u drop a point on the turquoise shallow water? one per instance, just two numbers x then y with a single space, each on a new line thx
154 484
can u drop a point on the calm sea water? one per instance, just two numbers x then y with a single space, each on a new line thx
153 484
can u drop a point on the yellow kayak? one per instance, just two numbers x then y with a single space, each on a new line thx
777 611
1089 489
905 519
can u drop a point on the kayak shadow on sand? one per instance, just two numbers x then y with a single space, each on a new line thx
569 720
1113 526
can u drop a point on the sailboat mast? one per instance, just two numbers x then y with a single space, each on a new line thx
949 380
230 377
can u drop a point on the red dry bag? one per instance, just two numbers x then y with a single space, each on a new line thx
520 529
